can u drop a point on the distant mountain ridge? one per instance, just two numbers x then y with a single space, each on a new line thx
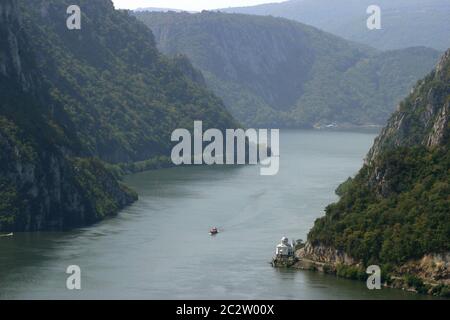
277 72
154 9
405 23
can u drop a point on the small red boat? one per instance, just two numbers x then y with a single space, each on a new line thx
213 231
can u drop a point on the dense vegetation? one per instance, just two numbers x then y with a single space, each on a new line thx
76 104
397 208
42 186
122 96
276 72
405 23
408 222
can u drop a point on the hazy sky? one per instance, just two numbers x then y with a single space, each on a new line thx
189 5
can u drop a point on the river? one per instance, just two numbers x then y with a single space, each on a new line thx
159 248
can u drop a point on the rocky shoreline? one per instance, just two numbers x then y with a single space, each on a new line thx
428 275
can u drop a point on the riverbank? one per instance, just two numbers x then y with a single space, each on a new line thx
428 275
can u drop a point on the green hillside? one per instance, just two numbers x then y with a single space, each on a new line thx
397 207
121 94
73 102
275 72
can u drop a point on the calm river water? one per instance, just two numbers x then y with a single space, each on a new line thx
160 248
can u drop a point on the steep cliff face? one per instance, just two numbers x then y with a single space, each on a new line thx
422 119
276 72
396 211
41 185
73 100
11 63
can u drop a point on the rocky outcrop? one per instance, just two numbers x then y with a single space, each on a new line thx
430 274
425 119
284 262
422 120
431 268
325 255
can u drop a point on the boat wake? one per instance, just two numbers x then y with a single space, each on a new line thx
6 235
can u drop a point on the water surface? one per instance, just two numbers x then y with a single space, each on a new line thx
160 248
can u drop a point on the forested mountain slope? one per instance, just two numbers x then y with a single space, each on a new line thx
396 211
280 73
123 96
73 100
